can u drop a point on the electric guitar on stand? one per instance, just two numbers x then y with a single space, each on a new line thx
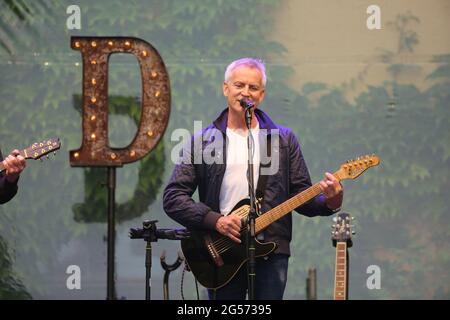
342 240
214 259
38 150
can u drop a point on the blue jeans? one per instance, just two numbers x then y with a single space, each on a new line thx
270 282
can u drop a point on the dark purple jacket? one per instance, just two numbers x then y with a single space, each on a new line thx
291 178
7 189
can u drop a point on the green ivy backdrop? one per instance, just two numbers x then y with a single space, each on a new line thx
58 217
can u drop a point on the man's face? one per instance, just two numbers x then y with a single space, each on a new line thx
244 82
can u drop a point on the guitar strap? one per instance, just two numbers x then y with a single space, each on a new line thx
262 180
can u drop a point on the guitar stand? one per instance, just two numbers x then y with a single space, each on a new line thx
168 268
150 234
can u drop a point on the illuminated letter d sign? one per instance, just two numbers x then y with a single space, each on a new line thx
155 109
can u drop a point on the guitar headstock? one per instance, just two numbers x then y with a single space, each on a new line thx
39 149
355 167
342 229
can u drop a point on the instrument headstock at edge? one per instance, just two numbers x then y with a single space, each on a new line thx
355 167
39 149
342 229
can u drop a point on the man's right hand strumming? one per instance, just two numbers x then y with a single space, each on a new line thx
230 226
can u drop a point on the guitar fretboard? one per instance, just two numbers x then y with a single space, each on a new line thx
340 276
281 210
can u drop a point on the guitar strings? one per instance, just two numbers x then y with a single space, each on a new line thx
225 243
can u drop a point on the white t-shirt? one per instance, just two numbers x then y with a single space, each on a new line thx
235 184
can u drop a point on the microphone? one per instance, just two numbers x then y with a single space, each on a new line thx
246 103
173 234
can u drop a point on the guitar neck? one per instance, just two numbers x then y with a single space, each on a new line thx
340 276
281 210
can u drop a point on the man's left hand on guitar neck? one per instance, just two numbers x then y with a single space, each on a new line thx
14 164
333 191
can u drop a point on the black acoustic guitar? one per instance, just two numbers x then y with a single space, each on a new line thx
214 259
38 150
341 237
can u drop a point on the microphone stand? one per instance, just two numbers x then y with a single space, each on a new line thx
251 230
149 226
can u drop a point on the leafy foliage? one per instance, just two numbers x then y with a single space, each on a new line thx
94 208
401 206
10 287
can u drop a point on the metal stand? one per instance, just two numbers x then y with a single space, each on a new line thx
150 234
148 263
311 284
168 268
110 283
251 229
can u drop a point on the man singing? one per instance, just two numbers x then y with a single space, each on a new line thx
224 183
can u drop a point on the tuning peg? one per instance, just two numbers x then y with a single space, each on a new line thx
353 232
47 156
54 153
334 219
333 226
